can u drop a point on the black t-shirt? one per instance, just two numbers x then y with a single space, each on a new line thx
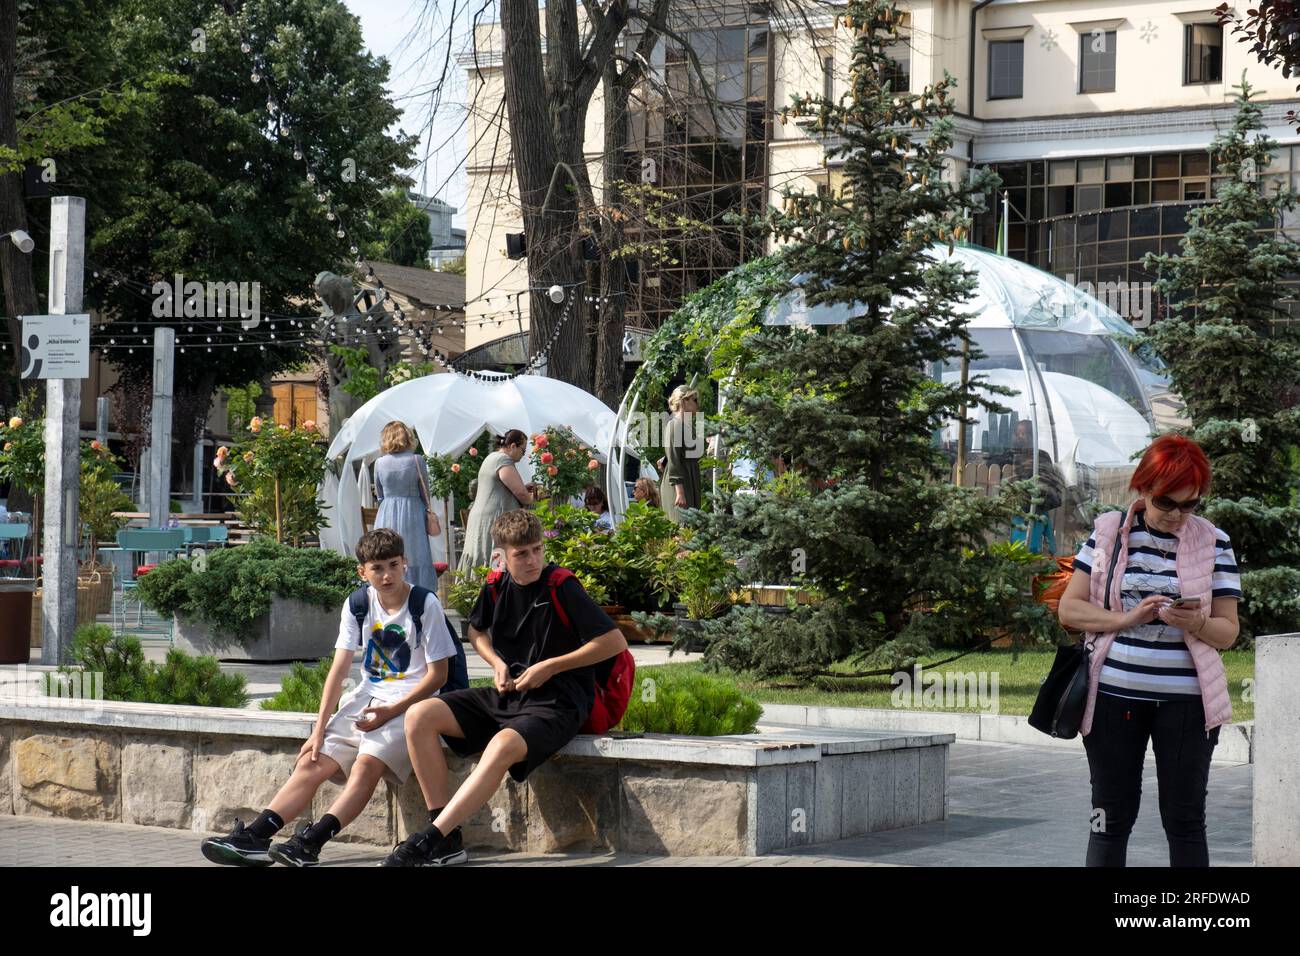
525 629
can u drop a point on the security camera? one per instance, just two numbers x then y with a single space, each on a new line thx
23 241
556 294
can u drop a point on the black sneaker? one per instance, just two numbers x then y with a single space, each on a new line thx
419 850
297 851
238 848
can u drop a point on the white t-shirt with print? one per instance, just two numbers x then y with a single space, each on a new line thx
391 663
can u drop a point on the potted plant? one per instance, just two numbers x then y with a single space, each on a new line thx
450 477
279 469
262 601
101 497
562 463
695 578
463 592
22 463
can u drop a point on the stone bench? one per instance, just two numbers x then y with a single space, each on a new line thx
199 768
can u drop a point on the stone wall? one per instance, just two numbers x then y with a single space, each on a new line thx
737 796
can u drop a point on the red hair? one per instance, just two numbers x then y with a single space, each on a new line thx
1172 462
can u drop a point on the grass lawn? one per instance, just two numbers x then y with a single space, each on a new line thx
1018 677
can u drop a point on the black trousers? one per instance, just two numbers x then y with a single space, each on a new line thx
1116 748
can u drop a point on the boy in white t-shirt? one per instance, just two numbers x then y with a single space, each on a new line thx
406 658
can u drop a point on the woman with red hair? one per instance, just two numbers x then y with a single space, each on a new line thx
1156 591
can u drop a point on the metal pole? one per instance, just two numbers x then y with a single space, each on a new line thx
160 432
198 475
101 421
63 440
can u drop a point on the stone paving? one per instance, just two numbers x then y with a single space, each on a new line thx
1008 806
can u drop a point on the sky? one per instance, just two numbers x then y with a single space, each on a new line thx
415 44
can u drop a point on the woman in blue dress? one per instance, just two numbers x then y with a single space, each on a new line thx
401 486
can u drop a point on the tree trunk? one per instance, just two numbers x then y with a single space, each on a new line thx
15 266
612 305
544 114
279 534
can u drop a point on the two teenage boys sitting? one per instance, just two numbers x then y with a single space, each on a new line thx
542 691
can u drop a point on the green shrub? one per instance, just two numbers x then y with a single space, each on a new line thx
688 702
464 589
180 679
120 658
198 681
301 688
236 585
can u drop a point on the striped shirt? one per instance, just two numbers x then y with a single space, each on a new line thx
1151 661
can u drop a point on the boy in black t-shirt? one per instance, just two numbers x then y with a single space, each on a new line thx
543 689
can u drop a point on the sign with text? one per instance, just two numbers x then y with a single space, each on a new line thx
56 346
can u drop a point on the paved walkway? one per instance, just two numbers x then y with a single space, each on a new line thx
1008 806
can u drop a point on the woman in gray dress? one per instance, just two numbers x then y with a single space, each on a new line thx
500 489
401 485
680 488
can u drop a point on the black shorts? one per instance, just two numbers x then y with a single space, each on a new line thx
546 723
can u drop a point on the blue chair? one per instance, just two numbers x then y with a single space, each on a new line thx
218 535
165 542
14 531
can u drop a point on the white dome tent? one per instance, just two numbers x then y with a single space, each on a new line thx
448 412
1091 404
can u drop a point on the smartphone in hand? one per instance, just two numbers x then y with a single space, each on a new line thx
1190 604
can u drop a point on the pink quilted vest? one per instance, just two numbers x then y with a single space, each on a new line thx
1195 563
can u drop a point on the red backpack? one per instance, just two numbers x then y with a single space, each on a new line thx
614 677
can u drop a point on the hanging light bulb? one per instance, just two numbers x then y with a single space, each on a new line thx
245 48
341 234
330 215
256 77
311 177
320 197
297 153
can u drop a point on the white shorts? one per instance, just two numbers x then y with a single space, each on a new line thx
344 742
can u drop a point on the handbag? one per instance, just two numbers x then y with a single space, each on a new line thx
1063 695
431 526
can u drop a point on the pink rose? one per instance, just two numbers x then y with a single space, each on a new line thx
15 422
593 465
473 452
547 458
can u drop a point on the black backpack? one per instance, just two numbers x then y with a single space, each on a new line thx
457 670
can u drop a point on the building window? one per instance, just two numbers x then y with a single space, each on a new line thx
1097 62
828 74
1203 45
899 71
1006 69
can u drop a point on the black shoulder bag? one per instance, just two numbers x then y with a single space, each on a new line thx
1058 710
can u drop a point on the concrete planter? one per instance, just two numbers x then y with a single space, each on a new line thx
293 631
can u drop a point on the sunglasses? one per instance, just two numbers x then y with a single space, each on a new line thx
1168 504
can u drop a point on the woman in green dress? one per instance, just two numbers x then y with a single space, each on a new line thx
683 442
500 489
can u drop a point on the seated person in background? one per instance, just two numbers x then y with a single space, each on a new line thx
594 500
646 491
